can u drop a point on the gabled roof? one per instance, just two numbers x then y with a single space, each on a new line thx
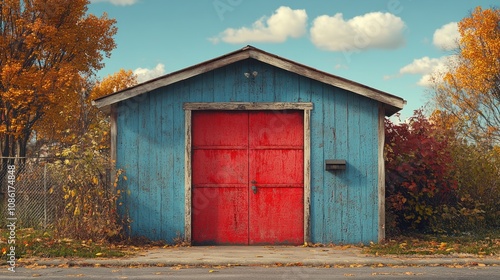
392 103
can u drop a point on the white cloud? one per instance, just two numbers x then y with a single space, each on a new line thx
447 37
429 68
369 31
284 23
145 74
117 2
421 65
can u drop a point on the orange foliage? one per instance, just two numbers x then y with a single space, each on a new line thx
112 83
479 71
47 48
470 91
67 121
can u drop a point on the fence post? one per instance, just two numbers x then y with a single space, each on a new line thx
45 196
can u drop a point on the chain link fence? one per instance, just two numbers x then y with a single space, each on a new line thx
38 197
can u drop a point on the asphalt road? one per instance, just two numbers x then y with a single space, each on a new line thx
243 273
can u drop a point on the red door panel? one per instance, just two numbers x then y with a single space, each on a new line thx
219 129
279 167
276 166
276 129
277 216
247 172
217 167
219 178
220 215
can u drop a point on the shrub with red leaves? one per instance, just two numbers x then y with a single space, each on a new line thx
419 175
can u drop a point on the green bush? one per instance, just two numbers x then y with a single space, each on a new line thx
477 170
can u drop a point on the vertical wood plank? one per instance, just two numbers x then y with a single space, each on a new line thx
130 160
302 94
208 87
381 174
178 197
122 143
221 84
368 179
307 176
187 177
354 206
257 85
317 214
231 80
286 86
154 166
166 160
341 181
372 198
329 207
240 87
292 86
145 174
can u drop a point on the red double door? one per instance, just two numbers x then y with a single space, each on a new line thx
247 177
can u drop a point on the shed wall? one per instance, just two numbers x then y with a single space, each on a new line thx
150 147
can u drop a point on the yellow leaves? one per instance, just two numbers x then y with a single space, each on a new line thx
470 88
90 206
480 50
77 211
112 83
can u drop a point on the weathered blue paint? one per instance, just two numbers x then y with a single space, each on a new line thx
344 125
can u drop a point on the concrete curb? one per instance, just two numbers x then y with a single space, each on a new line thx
160 263
263 256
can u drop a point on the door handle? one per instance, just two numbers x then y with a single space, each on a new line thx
254 189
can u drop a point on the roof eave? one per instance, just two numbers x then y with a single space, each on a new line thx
392 103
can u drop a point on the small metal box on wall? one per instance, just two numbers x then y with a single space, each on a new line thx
335 164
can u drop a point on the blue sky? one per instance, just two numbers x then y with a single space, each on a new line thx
390 45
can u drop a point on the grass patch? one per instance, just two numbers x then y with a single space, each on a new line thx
487 244
38 243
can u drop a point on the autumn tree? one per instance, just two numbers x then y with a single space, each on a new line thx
48 47
88 185
470 90
67 122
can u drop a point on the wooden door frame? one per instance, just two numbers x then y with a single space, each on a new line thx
306 107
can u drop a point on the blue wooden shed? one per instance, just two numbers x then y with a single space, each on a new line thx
251 148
